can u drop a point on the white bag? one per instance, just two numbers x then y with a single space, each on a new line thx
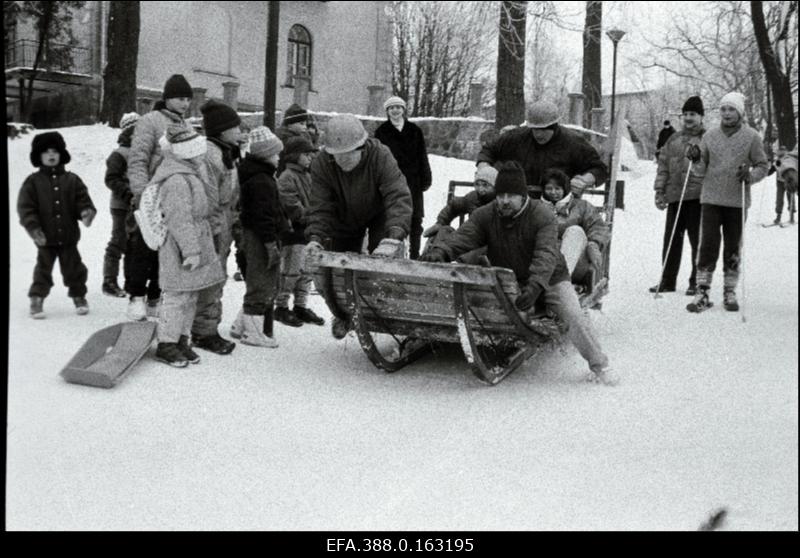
149 217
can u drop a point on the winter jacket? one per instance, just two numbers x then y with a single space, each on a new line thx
185 207
527 244
294 187
663 136
145 154
408 149
284 134
720 157
117 172
52 200
222 187
261 206
458 206
581 213
373 194
672 167
566 151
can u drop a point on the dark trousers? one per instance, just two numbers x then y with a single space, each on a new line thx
779 199
719 224
73 271
418 213
688 223
263 276
141 268
116 246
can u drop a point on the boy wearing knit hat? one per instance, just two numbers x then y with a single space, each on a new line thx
263 222
522 234
683 216
144 157
50 204
727 157
116 179
294 186
295 124
223 135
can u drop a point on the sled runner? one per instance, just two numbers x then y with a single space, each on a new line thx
109 354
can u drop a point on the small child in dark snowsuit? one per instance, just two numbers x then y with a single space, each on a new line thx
50 204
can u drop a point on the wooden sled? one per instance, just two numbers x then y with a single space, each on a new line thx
109 354
420 303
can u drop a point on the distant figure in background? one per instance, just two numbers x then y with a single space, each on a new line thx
788 172
407 143
117 181
295 124
663 136
50 204
782 191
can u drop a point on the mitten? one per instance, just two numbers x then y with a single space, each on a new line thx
87 216
693 153
39 238
661 203
527 298
434 255
432 230
389 248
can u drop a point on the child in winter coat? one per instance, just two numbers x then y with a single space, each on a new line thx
263 222
117 181
294 187
50 204
187 260
726 157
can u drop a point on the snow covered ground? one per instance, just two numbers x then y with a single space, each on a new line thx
311 436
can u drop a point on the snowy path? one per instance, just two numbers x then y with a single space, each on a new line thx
311 436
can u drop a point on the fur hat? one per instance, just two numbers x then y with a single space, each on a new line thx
295 113
128 119
218 117
296 146
177 86
184 142
487 174
510 179
45 141
734 99
393 101
263 143
694 104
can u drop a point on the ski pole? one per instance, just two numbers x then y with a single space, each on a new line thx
741 250
674 226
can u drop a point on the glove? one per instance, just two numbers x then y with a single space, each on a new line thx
743 174
39 238
693 153
395 233
579 183
432 230
87 216
660 202
434 255
389 248
190 263
527 298
594 254
273 253
310 256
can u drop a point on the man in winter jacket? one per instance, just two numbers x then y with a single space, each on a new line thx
727 157
143 160
670 178
522 234
50 204
665 133
542 145
407 143
356 189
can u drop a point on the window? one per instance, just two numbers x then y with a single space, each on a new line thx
298 63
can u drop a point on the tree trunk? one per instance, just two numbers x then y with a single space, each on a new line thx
43 30
119 77
778 80
592 40
510 95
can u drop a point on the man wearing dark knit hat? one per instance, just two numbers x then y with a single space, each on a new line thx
670 178
521 234
294 124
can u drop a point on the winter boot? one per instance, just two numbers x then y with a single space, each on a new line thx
152 308
605 376
729 300
237 327
213 343
268 323
37 310
137 309
701 301
186 349
664 288
692 290
777 220
253 333
340 327
307 315
81 306
111 288
171 354
286 316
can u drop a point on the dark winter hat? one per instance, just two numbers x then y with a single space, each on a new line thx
510 179
177 86
295 113
218 117
45 141
296 146
694 104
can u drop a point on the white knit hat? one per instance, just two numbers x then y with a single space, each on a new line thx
734 99
486 173
184 142
263 143
128 119
394 101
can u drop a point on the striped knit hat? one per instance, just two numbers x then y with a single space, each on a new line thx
128 119
184 142
263 143
393 101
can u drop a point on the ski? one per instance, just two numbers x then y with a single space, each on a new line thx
768 225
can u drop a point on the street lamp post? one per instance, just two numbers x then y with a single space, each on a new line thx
615 35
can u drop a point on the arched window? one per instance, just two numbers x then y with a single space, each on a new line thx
298 63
